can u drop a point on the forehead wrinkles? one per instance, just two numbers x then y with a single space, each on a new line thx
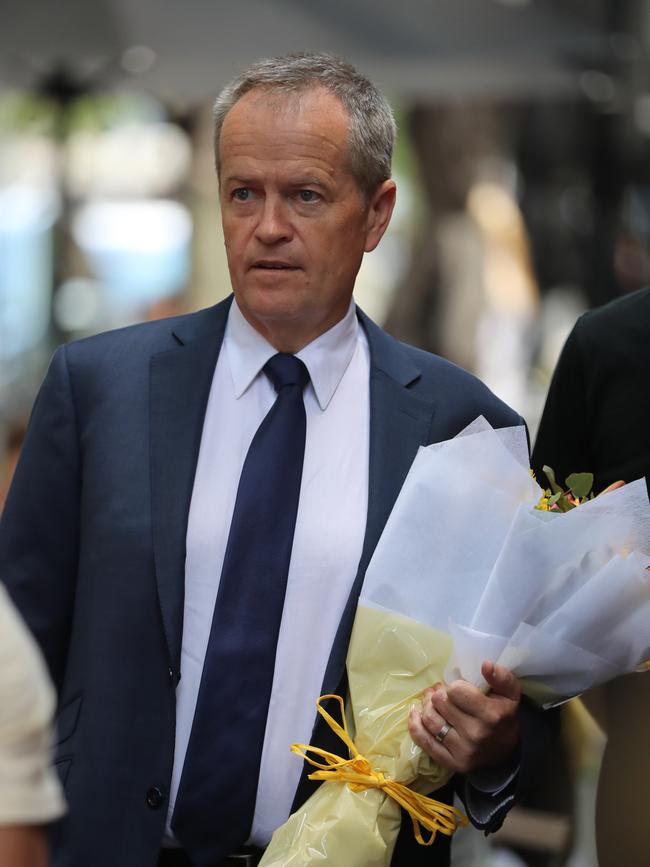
318 128
301 147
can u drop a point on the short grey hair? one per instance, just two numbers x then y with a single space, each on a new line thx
372 125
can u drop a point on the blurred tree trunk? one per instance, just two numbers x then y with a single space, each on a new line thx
452 142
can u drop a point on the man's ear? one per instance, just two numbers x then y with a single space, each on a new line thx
380 211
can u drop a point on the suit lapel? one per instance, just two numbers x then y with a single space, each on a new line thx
399 424
180 381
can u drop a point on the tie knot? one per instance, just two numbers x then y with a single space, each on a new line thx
285 369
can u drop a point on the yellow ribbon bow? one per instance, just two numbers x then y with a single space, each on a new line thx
358 773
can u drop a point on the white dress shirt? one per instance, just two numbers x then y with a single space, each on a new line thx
327 544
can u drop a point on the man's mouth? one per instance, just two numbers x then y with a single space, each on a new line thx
274 265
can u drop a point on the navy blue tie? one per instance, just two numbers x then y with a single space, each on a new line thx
216 797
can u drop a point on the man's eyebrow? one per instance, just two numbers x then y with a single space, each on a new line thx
235 179
294 183
307 181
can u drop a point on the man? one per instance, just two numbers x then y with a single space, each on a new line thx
189 620
30 793
596 419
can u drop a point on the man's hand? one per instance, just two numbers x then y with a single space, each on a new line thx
474 730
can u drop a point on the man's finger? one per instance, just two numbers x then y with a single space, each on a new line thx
458 700
438 711
501 681
423 738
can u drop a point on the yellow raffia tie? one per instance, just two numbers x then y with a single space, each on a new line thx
359 774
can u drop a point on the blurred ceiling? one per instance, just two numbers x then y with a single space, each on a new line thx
185 51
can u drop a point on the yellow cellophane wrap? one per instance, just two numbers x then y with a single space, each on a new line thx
391 661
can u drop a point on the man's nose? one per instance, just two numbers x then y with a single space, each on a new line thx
274 224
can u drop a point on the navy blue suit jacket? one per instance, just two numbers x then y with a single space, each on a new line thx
92 548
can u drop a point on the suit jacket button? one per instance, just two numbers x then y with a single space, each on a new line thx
155 797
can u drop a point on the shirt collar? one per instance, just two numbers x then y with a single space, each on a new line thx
326 358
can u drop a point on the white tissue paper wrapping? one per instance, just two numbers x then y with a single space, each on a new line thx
561 599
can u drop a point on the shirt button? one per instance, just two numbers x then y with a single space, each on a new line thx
155 797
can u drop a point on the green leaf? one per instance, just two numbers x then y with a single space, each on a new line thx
580 484
553 500
550 475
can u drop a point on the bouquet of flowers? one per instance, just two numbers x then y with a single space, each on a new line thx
475 562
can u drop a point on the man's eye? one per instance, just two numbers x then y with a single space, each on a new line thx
242 194
307 196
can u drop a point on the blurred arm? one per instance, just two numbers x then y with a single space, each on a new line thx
40 522
30 793
23 846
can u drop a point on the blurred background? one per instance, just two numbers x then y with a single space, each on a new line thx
524 199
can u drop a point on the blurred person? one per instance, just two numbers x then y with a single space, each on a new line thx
30 792
597 419
198 498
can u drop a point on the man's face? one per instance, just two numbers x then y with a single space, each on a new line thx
295 223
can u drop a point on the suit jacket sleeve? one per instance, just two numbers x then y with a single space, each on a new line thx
39 531
487 810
